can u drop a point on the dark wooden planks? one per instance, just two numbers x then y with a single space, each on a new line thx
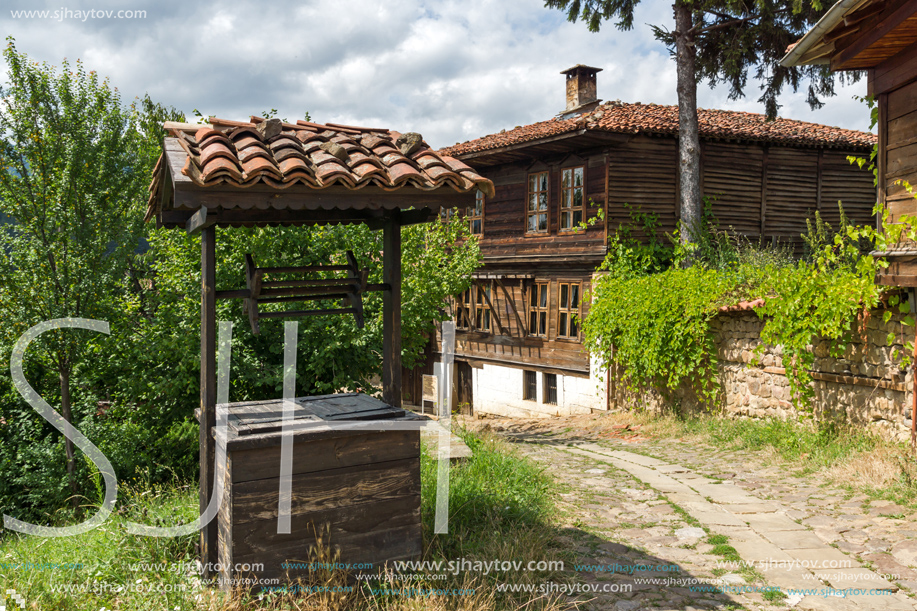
208 389
325 454
391 310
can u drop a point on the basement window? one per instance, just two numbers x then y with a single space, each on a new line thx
529 386
550 388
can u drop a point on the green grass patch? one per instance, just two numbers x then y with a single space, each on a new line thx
502 506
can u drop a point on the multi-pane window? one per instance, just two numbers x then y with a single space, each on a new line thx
550 388
463 310
538 310
445 214
475 215
571 198
529 386
482 309
537 206
568 310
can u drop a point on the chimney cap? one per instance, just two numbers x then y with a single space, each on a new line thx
580 67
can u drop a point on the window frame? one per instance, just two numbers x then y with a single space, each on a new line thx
564 309
538 211
546 388
463 307
529 382
563 210
541 312
476 213
482 310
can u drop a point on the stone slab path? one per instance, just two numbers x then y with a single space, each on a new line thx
636 504
788 554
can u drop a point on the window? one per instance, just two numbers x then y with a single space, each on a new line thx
463 310
571 198
475 215
446 214
537 215
538 310
550 388
568 311
482 309
529 386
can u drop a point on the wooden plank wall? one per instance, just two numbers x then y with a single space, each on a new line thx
515 347
505 213
901 149
755 190
643 174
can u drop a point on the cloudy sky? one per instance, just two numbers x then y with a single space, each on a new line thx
451 70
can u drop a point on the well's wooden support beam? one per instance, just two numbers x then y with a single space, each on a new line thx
391 310
208 389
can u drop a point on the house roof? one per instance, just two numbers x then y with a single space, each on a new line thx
306 157
856 35
635 118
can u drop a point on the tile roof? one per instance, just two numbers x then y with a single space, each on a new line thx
656 119
258 151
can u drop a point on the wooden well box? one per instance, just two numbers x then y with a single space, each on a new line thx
364 484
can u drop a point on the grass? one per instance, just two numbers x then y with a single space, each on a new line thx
502 507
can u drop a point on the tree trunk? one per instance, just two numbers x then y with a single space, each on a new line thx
688 142
64 374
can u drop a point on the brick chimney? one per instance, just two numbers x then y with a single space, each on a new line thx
581 89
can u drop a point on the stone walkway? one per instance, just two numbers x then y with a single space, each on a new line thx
624 504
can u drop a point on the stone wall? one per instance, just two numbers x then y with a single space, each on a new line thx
864 386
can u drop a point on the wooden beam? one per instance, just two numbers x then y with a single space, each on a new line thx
512 305
391 310
873 30
197 221
233 217
297 313
821 160
208 391
763 191
493 311
882 155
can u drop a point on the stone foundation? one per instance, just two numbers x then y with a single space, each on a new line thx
864 387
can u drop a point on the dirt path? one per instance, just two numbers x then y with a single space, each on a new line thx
633 507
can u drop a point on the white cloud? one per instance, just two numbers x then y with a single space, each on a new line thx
452 69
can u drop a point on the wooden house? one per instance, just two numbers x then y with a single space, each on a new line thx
879 37
519 343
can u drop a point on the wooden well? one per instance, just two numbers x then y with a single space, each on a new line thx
363 485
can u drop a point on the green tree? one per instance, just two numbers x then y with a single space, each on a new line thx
720 41
72 186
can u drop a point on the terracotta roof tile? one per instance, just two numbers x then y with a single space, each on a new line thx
656 119
238 153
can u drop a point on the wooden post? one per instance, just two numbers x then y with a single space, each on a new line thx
763 193
391 310
208 391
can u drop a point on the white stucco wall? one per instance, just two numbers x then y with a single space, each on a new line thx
498 390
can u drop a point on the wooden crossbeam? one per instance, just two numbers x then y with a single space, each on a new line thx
259 291
512 305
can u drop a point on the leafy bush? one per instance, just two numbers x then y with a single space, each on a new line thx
657 324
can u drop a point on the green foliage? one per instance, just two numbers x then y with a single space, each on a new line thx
657 326
77 163
731 39
657 323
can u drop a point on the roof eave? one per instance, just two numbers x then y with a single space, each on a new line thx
828 21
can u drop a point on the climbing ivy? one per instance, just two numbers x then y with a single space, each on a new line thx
651 313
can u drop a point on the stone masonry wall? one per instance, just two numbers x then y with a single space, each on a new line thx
864 387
